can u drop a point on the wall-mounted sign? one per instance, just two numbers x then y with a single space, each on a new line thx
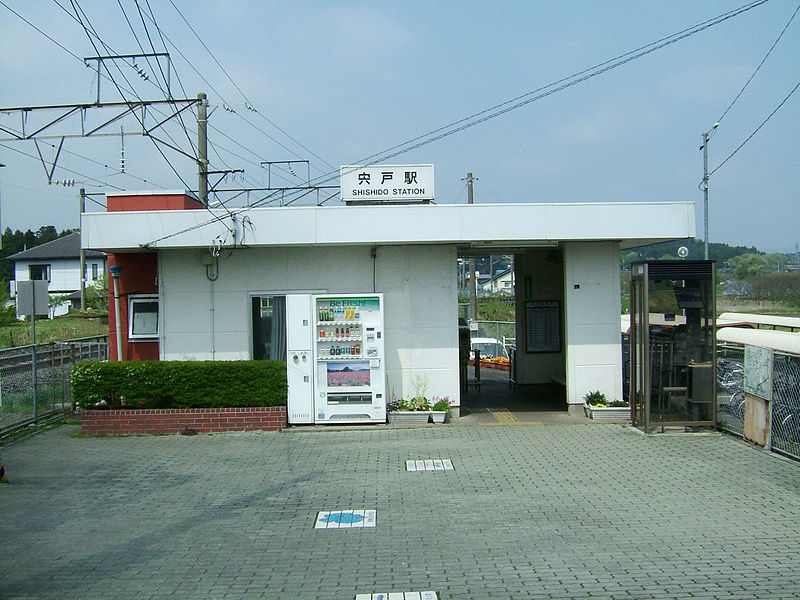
543 324
758 371
386 183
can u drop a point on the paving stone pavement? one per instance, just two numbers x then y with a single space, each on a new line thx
548 511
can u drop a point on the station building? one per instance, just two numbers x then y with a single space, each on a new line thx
193 279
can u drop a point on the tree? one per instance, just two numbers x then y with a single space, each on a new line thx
97 294
748 266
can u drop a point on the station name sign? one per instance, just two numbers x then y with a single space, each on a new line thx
386 183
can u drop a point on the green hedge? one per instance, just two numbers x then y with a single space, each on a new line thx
180 384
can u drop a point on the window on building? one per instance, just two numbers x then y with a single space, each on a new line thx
143 317
95 270
269 327
39 272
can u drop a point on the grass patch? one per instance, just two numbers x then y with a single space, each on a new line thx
53 330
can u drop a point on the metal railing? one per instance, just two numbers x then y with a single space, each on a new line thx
35 379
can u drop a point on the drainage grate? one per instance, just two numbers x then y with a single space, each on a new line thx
434 464
399 596
345 519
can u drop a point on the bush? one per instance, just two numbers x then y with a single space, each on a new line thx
179 384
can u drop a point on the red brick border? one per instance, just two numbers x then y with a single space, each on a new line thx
175 420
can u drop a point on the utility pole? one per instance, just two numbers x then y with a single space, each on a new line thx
704 148
705 195
202 148
1 228
82 197
473 284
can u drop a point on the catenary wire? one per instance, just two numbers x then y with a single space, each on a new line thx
76 5
219 95
103 73
64 48
86 177
249 104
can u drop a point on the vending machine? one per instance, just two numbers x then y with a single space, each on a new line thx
335 358
299 359
349 380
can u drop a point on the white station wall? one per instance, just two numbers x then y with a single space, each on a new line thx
205 320
592 297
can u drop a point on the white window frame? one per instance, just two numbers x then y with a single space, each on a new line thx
140 300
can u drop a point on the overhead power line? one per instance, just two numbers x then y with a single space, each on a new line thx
543 91
758 68
756 130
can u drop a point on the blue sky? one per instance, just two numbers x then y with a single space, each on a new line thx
347 80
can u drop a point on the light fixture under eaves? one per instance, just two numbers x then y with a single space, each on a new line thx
514 243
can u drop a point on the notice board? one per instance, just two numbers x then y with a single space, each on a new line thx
543 326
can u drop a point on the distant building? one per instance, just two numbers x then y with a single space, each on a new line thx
58 262
502 284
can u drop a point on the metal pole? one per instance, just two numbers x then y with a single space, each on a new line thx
202 148
33 353
705 195
473 284
115 270
1 228
82 196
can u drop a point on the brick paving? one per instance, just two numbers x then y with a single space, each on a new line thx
530 511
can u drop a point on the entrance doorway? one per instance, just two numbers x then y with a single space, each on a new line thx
534 337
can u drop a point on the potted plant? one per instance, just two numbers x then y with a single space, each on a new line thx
440 409
597 407
415 410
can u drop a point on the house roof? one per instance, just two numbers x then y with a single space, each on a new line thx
68 246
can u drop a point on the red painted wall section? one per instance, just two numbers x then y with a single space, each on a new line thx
138 275
134 202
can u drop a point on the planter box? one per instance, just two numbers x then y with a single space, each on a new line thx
608 413
408 417
175 420
439 416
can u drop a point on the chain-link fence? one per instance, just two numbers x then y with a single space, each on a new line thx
504 331
34 380
785 435
785 428
730 388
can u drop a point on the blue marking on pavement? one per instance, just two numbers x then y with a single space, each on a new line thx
342 517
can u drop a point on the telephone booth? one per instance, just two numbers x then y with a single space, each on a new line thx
672 344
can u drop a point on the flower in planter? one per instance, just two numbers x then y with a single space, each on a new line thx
596 398
441 404
418 403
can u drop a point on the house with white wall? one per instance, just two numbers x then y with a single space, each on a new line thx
500 284
58 262
193 279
